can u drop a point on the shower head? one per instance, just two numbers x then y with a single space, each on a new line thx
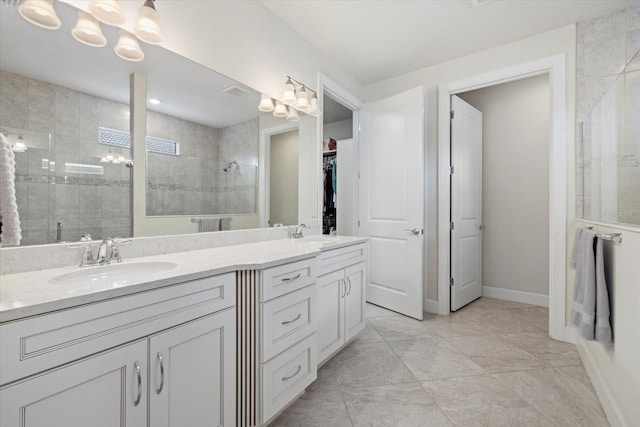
229 165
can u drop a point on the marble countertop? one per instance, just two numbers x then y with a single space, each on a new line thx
33 293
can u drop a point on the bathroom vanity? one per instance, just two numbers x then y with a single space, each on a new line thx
229 335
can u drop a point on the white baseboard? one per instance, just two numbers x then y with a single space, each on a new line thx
569 335
431 306
515 296
611 408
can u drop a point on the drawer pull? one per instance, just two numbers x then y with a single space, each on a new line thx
136 366
293 375
161 360
286 322
288 279
349 280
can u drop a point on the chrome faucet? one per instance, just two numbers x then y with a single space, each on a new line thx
298 233
108 252
105 251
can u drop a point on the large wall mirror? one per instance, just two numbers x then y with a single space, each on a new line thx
207 144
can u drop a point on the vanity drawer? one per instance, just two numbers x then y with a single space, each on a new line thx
280 280
39 343
288 319
336 259
287 375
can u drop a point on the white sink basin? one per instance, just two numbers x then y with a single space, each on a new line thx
113 275
316 239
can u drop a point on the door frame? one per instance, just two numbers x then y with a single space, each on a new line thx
264 162
344 97
555 67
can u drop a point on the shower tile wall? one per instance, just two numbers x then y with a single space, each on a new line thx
194 183
605 45
61 125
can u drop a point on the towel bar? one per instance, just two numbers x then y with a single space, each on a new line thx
614 237
195 219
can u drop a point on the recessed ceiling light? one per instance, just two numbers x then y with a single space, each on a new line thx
154 101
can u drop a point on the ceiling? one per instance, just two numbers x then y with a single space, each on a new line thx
375 40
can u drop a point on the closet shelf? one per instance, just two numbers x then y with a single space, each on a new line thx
330 152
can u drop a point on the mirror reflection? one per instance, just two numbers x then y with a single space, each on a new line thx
69 103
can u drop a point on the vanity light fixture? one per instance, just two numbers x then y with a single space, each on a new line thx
148 27
299 96
107 11
19 146
266 103
292 116
116 159
40 13
87 30
280 110
128 47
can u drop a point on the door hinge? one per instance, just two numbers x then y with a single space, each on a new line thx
451 281
451 226
452 114
358 223
358 174
451 171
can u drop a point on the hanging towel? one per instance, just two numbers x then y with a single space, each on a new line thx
11 232
225 223
209 224
590 312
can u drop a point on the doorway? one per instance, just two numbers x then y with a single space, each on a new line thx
283 178
511 190
554 67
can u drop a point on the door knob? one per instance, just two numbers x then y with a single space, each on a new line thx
415 231
482 227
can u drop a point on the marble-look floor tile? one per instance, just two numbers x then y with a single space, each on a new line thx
400 328
482 401
377 311
362 365
315 409
394 406
551 352
369 334
560 396
433 358
494 354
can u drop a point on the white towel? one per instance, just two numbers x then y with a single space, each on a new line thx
11 232
590 312
209 224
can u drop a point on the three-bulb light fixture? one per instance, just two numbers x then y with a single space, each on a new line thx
87 29
116 159
295 97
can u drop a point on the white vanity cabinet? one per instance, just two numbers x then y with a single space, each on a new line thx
341 298
161 357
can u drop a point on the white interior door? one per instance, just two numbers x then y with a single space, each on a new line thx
345 181
466 203
392 200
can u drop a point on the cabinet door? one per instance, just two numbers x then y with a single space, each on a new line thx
354 311
330 313
192 373
106 390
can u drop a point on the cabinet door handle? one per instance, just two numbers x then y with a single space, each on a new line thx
286 322
344 288
292 375
349 280
161 360
287 279
136 366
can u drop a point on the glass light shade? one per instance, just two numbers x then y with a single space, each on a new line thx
121 158
280 110
303 100
107 11
148 27
104 160
109 157
87 30
266 104
40 13
128 47
293 115
314 107
289 94
20 146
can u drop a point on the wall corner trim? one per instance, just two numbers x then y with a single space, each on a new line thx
611 409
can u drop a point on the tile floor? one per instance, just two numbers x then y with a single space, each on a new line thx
489 364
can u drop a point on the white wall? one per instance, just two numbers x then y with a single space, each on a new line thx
560 41
338 130
240 39
283 172
515 184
